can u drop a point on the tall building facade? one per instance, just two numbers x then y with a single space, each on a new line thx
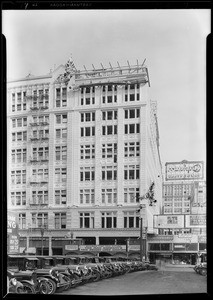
82 146
182 224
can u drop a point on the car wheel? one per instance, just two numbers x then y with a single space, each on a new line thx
28 288
68 281
44 288
203 272
52 286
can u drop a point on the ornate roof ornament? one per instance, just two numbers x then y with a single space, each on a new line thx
70 70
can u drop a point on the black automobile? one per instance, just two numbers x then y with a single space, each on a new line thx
201 268
28 280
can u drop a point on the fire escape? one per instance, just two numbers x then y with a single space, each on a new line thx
39 148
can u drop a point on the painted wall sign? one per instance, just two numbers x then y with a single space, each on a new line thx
185 170
102 248
71 247
195 220
171 221
12 233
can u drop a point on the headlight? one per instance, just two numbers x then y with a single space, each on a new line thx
14 281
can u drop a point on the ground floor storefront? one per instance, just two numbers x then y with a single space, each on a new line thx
158 249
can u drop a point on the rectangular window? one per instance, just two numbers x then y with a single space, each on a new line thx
60 175
61 119
39 197
18 177
20 122
61 97
131 172
109 151
87 131
109 173
131 128
61 133
131 220
61 153
40 220
87 196
87 173
109 220
132 113
88 117
86 220
87 151
109 115
60 197
20 136
60 220
18 198
19 155
109 99
109 196
132 97
22 221
109 130
87 101
131 195
132 149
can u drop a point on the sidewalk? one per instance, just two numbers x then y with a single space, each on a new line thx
177 268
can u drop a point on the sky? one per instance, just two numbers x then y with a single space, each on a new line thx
173 42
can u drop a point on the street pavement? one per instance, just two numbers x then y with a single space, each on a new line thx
164 281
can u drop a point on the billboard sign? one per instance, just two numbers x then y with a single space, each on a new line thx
195 220
169 221
184 170
12 233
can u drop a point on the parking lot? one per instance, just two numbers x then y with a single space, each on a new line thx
164 281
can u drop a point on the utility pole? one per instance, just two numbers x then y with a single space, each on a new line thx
42 240
150 197
141 240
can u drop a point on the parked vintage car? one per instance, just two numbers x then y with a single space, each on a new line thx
43 267
201 268
25 280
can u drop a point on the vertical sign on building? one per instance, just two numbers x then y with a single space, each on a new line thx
12 233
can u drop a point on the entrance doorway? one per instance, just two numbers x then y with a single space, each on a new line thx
57 251
45 251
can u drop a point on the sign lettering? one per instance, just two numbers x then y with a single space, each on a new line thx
184 170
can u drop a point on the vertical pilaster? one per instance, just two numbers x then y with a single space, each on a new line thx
120 157
50 246
98 156
75 153
51 158
143 152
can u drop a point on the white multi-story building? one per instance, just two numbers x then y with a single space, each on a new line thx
82 146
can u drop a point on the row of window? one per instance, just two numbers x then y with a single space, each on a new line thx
109 150
61 133
110 130
85 117
40 97
86 220
176 210
108 196
131 172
